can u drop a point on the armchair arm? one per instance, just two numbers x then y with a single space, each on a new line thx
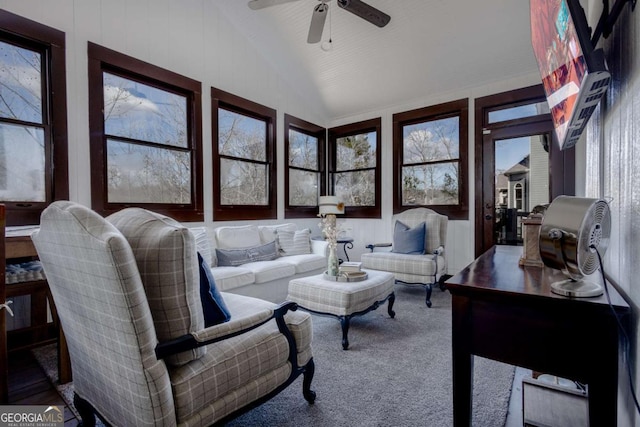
373 246
225 331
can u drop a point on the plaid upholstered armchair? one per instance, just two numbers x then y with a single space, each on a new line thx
417 255
128 294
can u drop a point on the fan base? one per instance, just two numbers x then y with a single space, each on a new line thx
576 288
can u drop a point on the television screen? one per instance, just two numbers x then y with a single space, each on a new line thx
574 76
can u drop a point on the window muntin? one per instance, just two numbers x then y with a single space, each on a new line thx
304 169
146 137
243 158
355 163
428 175
141 123
430 159
305 174
33 118
242 149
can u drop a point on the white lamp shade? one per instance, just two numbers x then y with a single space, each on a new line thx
330 205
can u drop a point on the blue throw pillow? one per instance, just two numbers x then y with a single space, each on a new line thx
409 240
213 306
236 257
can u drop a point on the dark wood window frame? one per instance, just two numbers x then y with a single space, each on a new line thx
102 59
237 104
458 108
366 126
318 132
51 42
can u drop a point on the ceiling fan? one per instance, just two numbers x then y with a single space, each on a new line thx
357 7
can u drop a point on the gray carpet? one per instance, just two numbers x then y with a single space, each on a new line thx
397 372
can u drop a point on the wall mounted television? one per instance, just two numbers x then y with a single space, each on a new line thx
574 74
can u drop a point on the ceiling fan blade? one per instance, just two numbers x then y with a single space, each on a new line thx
261 4
365 11
317 23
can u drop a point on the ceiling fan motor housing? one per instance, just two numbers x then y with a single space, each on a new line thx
572 229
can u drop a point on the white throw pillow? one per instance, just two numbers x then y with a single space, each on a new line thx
203 244
268 232
245 236
294 242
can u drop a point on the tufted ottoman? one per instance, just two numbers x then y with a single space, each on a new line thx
343 300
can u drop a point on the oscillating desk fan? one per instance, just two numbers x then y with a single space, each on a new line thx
571 231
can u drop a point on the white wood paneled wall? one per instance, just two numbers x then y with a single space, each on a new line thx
193 38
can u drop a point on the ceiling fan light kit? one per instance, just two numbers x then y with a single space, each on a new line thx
319 16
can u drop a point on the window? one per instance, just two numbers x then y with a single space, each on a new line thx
146 142
355 167
244 178
430 159
33 118
304 156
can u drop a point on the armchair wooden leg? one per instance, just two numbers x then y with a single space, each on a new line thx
429 290
86 411
307 377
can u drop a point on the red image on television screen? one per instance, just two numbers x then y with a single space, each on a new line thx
560 58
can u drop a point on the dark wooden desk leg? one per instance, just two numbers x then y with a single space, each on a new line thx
462 362
603 384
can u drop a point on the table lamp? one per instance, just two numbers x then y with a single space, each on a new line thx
329 207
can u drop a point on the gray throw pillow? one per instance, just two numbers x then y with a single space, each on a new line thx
236 257
408 240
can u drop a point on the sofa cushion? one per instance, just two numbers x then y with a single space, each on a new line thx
228 278
408 240
236 257
306 262
294 242
235 237
266 271
214 309
165 253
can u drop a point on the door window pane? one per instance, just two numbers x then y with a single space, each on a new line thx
519 112
145 174
138 111
521 183
22 164
20 83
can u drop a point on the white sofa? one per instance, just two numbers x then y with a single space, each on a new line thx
267 279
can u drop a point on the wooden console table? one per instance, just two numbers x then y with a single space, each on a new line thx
19 245
506 312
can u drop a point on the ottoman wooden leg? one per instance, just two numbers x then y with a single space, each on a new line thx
344 322
392 299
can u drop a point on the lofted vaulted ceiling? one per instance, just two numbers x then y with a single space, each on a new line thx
429 47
